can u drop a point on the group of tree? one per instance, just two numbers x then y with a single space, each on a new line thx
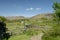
3 29
55 33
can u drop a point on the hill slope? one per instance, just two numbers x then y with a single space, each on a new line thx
47 15
15 17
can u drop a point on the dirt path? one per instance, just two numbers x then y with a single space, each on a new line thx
37 37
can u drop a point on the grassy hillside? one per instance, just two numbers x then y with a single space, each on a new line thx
39 16
14 17
38 23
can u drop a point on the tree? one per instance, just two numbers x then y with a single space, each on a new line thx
52 35
56 8
2 29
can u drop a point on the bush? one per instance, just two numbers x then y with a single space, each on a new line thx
32 32
45 37
2 18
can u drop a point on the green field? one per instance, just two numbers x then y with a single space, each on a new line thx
20 37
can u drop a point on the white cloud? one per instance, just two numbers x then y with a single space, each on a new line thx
37 8
29 9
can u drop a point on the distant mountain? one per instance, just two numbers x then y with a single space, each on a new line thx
15 17
46 15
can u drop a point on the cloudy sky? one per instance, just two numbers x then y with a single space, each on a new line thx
25 8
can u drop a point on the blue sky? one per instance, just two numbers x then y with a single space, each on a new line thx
25 8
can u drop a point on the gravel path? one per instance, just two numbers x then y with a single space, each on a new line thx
37 37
